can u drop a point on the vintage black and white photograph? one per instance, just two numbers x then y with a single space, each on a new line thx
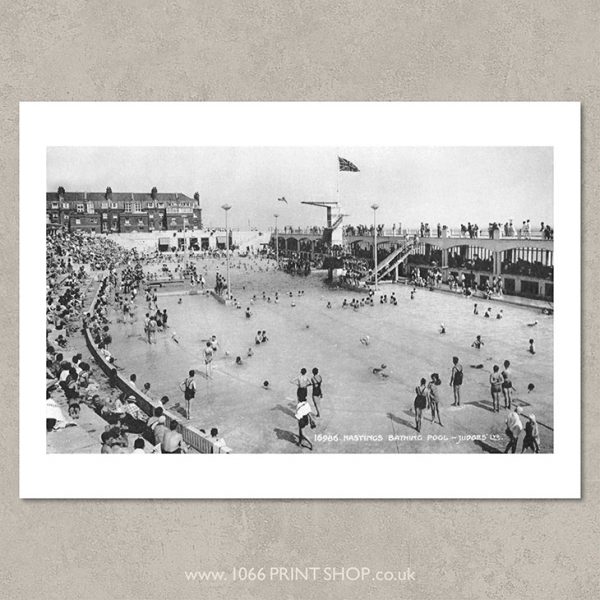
300 300
343 288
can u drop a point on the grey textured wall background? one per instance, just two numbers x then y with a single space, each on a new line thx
325 50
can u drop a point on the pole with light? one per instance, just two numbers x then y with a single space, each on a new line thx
276 240
226 208
375 207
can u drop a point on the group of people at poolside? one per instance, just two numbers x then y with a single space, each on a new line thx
427 396
304 410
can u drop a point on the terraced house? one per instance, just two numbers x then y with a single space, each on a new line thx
123 212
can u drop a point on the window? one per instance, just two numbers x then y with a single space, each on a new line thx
137 207
90 208
104 215
128 207
66 205
127 222
114 205
104 205
150 204
161 205
141 222
77 221
55 205
80 208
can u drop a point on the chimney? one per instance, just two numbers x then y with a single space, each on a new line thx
197 198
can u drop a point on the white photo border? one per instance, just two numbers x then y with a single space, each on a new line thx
556 124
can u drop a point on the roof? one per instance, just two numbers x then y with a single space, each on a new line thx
119 197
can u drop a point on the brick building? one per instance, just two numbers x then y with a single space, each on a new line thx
121 212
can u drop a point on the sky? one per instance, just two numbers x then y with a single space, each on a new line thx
410 184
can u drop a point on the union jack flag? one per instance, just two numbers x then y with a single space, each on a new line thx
346 165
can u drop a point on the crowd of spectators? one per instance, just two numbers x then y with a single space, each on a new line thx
528 269
75 262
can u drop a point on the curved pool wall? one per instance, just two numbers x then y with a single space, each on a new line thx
192 436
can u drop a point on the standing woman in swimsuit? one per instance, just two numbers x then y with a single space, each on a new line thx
420 402
316 381
507 386
496 380
434 397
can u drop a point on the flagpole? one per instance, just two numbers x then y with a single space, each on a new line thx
337 187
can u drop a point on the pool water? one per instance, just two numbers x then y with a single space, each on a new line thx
360 411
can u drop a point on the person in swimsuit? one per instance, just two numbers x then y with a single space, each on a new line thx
434 397
475 309
420 402
302 382
507 387
531 347
496 380
208 358
456 379
381 371
188 386
477 343
316 381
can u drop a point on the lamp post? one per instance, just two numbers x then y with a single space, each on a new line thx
226 208
276 241
375 207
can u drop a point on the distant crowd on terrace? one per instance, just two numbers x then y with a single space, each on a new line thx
470 230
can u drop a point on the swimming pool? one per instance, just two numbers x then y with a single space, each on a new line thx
361 412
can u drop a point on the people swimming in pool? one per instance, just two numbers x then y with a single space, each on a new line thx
477 343
381 371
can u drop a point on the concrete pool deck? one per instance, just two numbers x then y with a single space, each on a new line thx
361 412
